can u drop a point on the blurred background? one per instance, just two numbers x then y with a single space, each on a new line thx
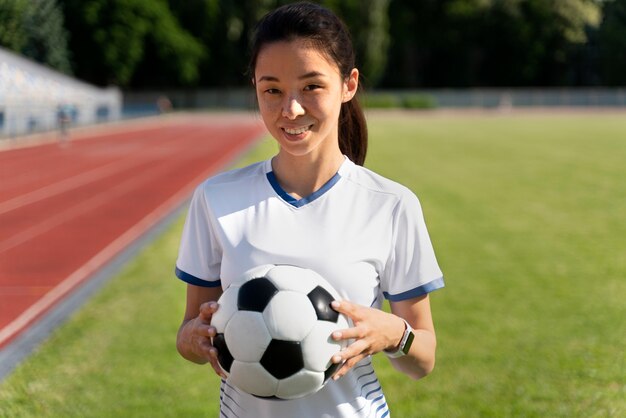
521 183
141 57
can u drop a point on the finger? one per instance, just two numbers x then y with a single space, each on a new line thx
349 309
215 364
355 349
207 310
342 306
211 331
206 347
345 367
347 334
211 354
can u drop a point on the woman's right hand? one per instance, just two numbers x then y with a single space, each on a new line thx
201 333
194 335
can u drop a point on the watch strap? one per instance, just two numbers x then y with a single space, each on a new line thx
405 342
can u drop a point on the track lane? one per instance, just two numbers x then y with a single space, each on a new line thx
81 223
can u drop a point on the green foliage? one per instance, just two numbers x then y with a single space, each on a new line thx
47 41
12 34
612 36
397 100
418 101
36 30
226 28
399 43
462 43
130 41
369 25
380 100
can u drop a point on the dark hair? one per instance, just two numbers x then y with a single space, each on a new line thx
329 35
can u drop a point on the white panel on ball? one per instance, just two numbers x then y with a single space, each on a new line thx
318 347
281 321
252 336
303 383
227 307
252 378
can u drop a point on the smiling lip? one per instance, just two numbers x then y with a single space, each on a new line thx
297 133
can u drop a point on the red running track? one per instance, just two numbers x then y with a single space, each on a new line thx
65 211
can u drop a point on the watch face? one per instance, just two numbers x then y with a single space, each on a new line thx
407 345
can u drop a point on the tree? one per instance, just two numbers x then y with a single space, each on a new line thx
612 41
464 43
368 21
47 37
225 27
12 33
35 29
130 42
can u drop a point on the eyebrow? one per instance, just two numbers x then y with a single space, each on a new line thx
311 74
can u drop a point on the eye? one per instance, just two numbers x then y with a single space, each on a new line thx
311 87
272 91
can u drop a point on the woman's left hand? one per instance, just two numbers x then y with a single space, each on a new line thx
373 331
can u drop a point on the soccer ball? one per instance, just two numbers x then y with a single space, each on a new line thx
274 329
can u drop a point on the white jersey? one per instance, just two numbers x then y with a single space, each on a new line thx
363 233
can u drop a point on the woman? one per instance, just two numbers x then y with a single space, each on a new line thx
315 206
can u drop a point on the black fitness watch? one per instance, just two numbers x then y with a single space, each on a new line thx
405 343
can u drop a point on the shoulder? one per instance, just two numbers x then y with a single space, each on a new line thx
376 184
232 190
238 175
235 181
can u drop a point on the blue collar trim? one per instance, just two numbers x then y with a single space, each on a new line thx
305 200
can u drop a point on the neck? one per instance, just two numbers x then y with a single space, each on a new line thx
300 176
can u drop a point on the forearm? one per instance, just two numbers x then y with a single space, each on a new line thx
420 360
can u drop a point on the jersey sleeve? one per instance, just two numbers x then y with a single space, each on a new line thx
412 269
199 254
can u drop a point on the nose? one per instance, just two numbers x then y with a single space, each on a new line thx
292 108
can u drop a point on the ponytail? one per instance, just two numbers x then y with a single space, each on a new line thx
353 131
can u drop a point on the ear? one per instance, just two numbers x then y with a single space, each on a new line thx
350 85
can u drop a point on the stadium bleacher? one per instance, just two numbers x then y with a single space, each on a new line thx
34 98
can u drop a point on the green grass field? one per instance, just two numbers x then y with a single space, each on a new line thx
527 214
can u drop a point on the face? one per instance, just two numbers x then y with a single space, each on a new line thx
300 93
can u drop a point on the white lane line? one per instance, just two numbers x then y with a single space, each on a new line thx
65 185
100 259
85 206
79 180
89 204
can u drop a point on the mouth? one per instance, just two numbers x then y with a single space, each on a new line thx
298 131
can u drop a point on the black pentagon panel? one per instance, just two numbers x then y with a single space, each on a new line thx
223 354
282 358
255 294
321 299
331 371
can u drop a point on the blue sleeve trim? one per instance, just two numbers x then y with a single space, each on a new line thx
418 291
188 278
